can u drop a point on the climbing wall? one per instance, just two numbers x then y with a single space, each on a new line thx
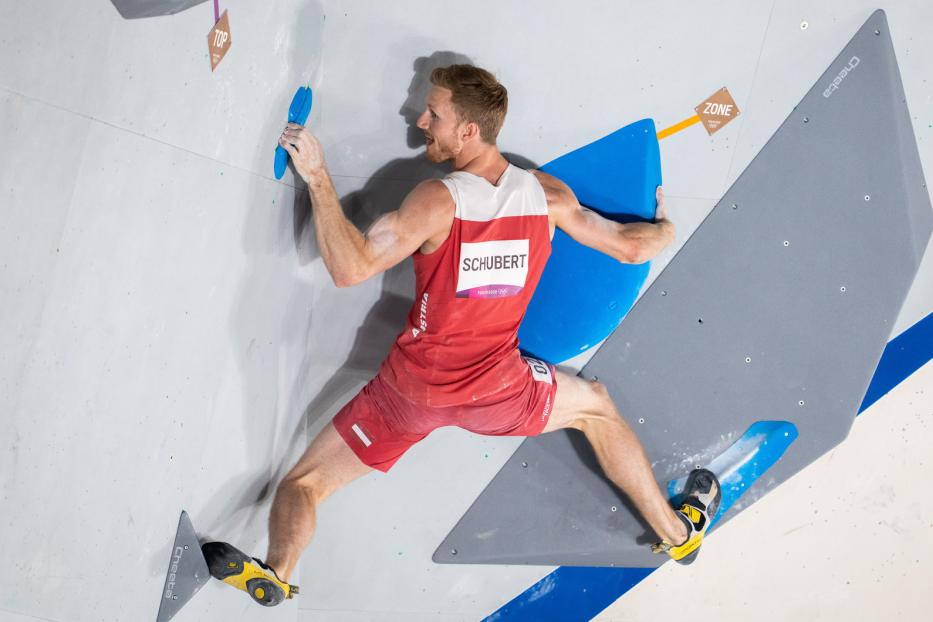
171 339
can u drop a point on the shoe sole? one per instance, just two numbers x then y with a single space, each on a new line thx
227 563
265 592
692 485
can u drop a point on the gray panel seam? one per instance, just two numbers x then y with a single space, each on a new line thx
146 137
751 88
29 615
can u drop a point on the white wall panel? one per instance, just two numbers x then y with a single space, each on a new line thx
153 77
574 74
34 206
163 368
52 51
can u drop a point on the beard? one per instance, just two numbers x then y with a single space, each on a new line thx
438 151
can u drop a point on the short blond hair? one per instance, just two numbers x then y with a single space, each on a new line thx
477 97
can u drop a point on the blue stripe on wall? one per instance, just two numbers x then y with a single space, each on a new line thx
571 594
903 355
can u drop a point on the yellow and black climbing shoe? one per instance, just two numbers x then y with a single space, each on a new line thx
700 503
249 574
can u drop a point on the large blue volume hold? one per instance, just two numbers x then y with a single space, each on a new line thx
298 113
584 294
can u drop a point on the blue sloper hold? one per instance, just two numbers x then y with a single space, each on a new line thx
298 113
584 294
745 461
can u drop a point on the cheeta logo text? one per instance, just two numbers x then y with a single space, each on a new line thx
173 570
423 319
853 63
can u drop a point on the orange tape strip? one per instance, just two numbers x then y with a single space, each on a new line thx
680 126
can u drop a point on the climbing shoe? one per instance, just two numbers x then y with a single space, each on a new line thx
249 574
700 503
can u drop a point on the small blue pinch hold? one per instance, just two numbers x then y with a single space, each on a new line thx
298 113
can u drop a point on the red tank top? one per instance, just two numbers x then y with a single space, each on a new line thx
460 343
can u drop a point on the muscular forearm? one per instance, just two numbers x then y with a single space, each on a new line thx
343 247
649 238
341 244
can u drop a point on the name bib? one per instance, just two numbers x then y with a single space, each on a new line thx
494 269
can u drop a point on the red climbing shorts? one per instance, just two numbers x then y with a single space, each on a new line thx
379 424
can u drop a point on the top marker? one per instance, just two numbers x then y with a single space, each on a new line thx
219 40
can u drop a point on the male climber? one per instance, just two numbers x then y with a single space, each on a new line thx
479 238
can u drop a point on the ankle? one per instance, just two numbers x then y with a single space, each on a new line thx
279 568
678 534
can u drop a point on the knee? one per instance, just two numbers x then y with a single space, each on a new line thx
600 411
600 403
309 484
599 390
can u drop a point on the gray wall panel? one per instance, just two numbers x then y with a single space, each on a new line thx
778 308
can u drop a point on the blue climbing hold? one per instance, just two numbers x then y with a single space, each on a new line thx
583 294
297 113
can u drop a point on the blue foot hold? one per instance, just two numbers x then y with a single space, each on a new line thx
745 461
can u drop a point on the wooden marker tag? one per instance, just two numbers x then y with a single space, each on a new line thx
219 40
717 111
